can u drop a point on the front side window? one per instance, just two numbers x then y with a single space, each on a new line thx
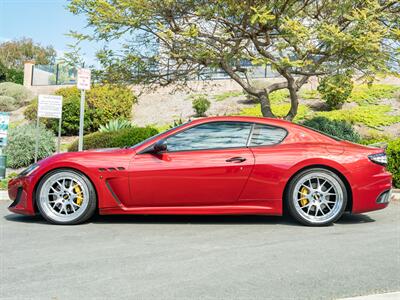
215 135
264 135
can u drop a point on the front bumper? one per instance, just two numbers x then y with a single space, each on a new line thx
20 191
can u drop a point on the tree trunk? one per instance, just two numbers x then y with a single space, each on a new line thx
265 105
294 100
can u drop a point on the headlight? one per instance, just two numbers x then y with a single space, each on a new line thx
378 158
28 171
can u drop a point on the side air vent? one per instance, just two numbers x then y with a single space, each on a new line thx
111 169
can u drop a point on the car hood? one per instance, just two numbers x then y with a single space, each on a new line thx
88 155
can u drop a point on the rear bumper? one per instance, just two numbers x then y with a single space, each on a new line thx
20 191
368 194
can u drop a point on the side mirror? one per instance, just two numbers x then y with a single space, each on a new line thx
160 146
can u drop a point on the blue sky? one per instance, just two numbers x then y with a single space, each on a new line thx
45 21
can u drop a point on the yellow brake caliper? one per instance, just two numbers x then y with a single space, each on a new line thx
78 191
304 192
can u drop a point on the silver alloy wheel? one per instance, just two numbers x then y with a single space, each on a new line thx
318 197
64 196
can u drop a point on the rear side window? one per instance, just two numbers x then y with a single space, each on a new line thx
264 135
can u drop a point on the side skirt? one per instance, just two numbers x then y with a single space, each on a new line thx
194 210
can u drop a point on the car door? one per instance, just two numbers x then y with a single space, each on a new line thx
207 164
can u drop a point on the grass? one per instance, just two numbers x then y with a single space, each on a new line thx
279 110
367 113
370 115
309 94
228 94
374 136
364 94
279 96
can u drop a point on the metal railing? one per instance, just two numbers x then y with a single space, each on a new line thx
60 74
53 75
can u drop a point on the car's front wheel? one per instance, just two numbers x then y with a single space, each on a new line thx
316 197
66 197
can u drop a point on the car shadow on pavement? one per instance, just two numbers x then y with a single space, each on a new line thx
347 219
196 219
219 219
25 219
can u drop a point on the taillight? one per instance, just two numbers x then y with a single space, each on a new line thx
379 158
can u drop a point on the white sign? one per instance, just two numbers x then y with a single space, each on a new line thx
4 120
50 106
83 82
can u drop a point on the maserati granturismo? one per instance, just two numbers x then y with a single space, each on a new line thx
218 165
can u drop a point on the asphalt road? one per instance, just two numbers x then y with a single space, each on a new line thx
187 257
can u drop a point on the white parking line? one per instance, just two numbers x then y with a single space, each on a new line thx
385 296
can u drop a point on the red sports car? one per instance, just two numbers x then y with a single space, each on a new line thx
219 165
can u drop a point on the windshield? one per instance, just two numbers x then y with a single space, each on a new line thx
157 135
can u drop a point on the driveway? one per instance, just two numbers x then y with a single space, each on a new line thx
187 257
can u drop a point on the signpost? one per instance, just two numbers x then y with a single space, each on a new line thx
83 84
49 106
4 121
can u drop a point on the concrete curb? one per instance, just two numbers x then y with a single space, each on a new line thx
4 196
395 195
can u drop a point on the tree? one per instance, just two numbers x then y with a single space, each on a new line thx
13 54
298 39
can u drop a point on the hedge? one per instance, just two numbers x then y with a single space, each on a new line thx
20 149
340 129
115 139
103 103
393 153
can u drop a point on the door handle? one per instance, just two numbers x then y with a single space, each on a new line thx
236 159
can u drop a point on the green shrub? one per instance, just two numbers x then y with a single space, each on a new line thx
176 123
115 125
15 76
11 75
20 93
393 153
4 182
340 129
201 105
335 89
115 139
370 115
20 149
103 103
8 103
3 72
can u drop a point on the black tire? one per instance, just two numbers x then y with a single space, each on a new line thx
88 209
291 198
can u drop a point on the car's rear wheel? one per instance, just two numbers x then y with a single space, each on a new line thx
66 197
316 197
